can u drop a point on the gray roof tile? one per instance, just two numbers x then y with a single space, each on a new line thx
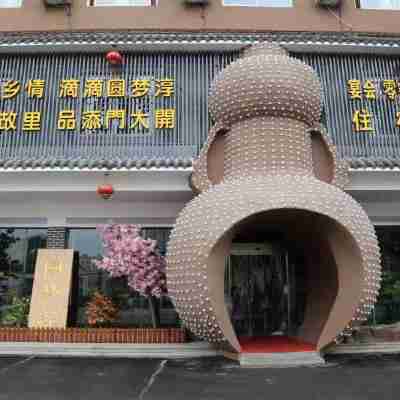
132 164
54 39
115 164
363 163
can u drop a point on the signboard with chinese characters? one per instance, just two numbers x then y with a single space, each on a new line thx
92 118
61 107
370 90
51 289
79 107
361 103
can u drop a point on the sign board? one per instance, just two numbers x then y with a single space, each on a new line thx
372 91
51 289
79 107
133 115
361 103
63 107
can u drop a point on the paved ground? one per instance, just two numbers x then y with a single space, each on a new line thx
357 378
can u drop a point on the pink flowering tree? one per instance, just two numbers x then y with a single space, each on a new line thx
127 254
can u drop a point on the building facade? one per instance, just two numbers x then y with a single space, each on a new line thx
71 121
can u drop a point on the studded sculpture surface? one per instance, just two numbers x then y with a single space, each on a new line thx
268 162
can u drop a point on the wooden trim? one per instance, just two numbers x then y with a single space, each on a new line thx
93 335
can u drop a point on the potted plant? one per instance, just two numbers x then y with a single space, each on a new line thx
17 313
100 310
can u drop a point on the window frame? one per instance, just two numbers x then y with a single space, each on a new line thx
291 5
93 228
141 302
20 2
92 3
24 275
358 6
27 227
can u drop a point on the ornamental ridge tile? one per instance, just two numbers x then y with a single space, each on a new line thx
112 164
143 164
50 39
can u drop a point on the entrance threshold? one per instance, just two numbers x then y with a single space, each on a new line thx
275 351
273 344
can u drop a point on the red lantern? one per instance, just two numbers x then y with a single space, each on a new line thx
105 191
114 57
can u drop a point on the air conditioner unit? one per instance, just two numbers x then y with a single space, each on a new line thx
57 3
328 3
195 2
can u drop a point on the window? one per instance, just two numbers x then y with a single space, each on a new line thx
123 3
134 309
379 4
18 250
387 309
258 3
10 3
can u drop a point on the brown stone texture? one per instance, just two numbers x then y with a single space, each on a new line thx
172 15
273 166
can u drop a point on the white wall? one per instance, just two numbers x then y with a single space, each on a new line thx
69 198
151 197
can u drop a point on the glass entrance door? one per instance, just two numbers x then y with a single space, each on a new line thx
259 290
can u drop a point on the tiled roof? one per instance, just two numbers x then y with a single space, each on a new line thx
54 39
81 163
142 164
374 163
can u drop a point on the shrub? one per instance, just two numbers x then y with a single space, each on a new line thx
100 310
17 313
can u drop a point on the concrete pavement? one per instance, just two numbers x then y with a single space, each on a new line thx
342 378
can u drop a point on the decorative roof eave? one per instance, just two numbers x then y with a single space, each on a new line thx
81 164
77 169
332 42
371 163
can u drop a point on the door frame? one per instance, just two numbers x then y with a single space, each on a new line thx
271 249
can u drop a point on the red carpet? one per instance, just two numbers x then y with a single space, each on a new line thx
273 344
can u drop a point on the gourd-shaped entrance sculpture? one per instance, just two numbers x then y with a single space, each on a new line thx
267 162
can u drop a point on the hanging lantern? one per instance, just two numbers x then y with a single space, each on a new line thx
105 191
114 57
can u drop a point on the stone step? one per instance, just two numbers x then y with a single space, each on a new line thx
292 359
365 348
108 350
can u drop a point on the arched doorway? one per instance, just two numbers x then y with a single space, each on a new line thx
311 255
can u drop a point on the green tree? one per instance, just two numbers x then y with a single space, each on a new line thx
389 295
6 240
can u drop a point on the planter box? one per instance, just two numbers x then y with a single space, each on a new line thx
94 335
387 335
